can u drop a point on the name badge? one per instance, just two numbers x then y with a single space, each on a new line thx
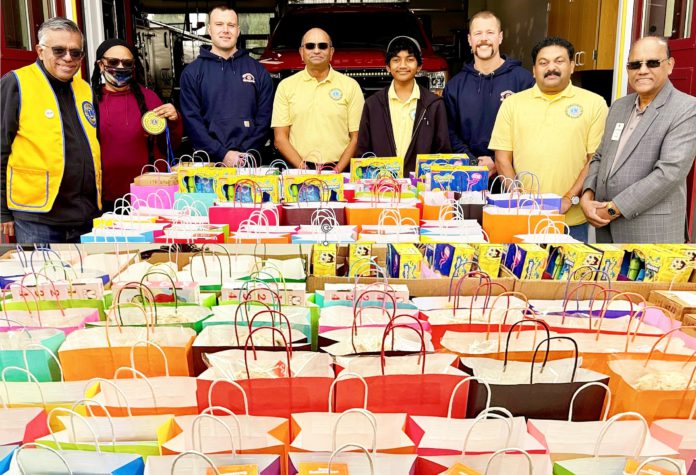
617 131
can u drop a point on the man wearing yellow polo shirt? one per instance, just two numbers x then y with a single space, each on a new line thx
316 112
404 119
551 130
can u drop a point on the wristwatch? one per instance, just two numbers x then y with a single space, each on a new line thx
575 199
613 212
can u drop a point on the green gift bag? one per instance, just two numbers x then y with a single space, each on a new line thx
31 349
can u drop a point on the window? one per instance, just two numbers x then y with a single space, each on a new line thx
669 18
15 24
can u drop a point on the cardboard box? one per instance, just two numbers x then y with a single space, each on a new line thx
675 301
689 320
417 288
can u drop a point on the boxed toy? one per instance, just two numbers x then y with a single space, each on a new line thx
202 179
653 263
449 259
457 178
359 259
489 257
253 189
612 257
424 162
324 258
403 261
376 167
526 261
312 188
577 256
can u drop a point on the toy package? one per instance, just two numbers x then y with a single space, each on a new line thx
265 188
376 167
324 258
201 179
403 261
449 260
489 257
526 261
424 162
457 178
574 257
312 188
612 257
359 259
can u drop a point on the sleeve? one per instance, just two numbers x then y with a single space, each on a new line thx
193 119
264 110
9 123
441 141
673 165
453 125
596 130
364 133
501 137
281 107
355 107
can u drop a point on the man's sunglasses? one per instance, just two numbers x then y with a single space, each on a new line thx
311 46
59 52
116 62
650 63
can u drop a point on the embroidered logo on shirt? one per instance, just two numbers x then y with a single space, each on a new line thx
248 77
574 111
505 94
88 110
335 94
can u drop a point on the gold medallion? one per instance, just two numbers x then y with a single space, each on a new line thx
153 124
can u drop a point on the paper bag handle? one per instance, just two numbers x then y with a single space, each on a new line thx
488 285
288 349
495 454
39 346
629 295
72 414
119 393
460 384
88 408
169 278
546 356
197 454
232 383
273 313
147 343
491 412
196 430
54 291
536 323
581 389
30 378
343 375
135 374
352 446
667 334
392 328
476 273
363 412
650 460
28 292
576 290
610 422
43 447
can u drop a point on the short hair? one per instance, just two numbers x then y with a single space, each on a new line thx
660 39
553 41
403 43
302 41
58 23
485 14
222 7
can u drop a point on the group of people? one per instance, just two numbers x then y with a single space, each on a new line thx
70 149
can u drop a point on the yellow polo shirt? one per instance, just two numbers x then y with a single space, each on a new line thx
320 114
551 137
403 115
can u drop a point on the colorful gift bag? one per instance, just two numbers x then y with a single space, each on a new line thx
43 459
341 461
503 224
20 425
153 196
679 434
194 462
508 461
32 349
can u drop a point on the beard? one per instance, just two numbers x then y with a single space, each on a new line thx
492 54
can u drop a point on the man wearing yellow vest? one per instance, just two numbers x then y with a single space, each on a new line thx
551 130
51 169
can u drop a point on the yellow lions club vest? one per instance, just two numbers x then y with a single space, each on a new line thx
37 161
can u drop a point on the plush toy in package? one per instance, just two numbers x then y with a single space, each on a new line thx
489 257
324 257
249 188
576 256
526 261
449 260
404 261
359 259
313 188
612 257
376 167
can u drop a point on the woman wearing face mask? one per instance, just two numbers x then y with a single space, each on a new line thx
121 100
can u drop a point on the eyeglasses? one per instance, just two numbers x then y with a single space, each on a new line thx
311 46
116 62
59 51
650 63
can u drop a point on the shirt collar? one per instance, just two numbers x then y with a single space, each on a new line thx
637 106
569 91
415 93
308 77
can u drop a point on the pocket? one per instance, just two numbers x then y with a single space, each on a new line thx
664 207
231 131
28 187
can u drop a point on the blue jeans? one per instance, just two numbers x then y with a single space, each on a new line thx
580 232
29 232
